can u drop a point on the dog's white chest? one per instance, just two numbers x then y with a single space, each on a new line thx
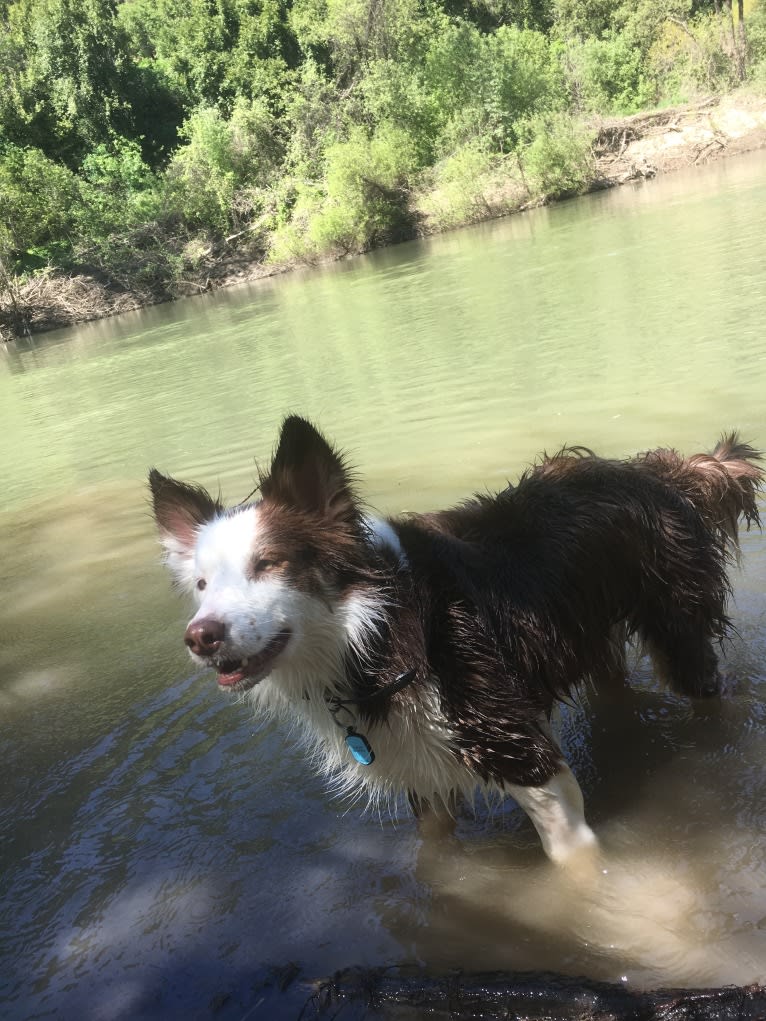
413 747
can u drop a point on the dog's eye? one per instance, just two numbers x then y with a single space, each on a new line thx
201 584
264 565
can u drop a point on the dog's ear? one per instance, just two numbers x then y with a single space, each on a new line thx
309 474
179 510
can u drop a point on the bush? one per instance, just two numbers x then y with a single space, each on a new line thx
290 241
701 55
313 120
397 94
460 188
556 155
756 44
608 75
38 203
361 201
483 84
118 190
525 78
221 158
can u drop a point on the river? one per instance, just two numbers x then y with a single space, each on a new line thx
163 852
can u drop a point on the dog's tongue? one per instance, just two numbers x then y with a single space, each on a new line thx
254 668
233 678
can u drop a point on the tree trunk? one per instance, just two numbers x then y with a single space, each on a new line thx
741 40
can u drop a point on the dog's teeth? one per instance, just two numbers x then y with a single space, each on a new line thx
243 663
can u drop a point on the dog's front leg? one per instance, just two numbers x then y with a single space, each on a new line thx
434 820
557 813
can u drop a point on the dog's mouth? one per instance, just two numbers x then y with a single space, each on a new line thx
243 674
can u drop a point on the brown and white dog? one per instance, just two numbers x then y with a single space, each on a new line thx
423 654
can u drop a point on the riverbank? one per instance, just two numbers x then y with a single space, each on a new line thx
624 149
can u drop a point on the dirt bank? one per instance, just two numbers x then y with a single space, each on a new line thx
647 144
625 149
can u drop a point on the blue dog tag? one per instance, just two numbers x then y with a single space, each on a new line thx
359 747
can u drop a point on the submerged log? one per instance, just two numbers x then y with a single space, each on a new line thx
406 993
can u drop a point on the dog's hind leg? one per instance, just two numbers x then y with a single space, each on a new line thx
558 814
684 659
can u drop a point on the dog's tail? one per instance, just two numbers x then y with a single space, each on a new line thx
724 484
730 477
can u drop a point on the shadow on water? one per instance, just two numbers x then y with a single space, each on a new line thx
157 871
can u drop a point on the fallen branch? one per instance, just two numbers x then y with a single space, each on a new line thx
702 154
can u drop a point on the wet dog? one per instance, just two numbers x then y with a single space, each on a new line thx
423 654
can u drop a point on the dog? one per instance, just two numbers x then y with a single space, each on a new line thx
423 654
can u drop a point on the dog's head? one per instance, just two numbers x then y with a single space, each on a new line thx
279 581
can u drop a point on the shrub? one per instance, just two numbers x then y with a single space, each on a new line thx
38 203
362 200
756 44
483 84
700 55
118 190
200 178
397 94
556 155
313 120
459 186
608 75
290 240
525 77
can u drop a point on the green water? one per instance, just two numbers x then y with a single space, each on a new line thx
159 848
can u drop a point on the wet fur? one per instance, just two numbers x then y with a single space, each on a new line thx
503 604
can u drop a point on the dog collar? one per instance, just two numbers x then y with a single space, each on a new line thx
357 743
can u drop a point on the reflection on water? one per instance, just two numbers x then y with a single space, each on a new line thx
161 851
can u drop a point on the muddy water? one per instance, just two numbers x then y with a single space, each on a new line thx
161 850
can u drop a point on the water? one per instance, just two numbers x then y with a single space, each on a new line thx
162 852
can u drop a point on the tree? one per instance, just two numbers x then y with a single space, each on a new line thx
64 85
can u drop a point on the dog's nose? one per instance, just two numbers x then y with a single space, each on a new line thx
204 636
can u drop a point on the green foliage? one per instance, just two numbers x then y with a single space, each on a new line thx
483 84
352 33
701 55
574 19
366 182
38 201
116 189
556 156
489 15
756 42
399 94
212 52
363 199
639 21
221 158
66 76
609 75
471 184
314 117
200 179
142 138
